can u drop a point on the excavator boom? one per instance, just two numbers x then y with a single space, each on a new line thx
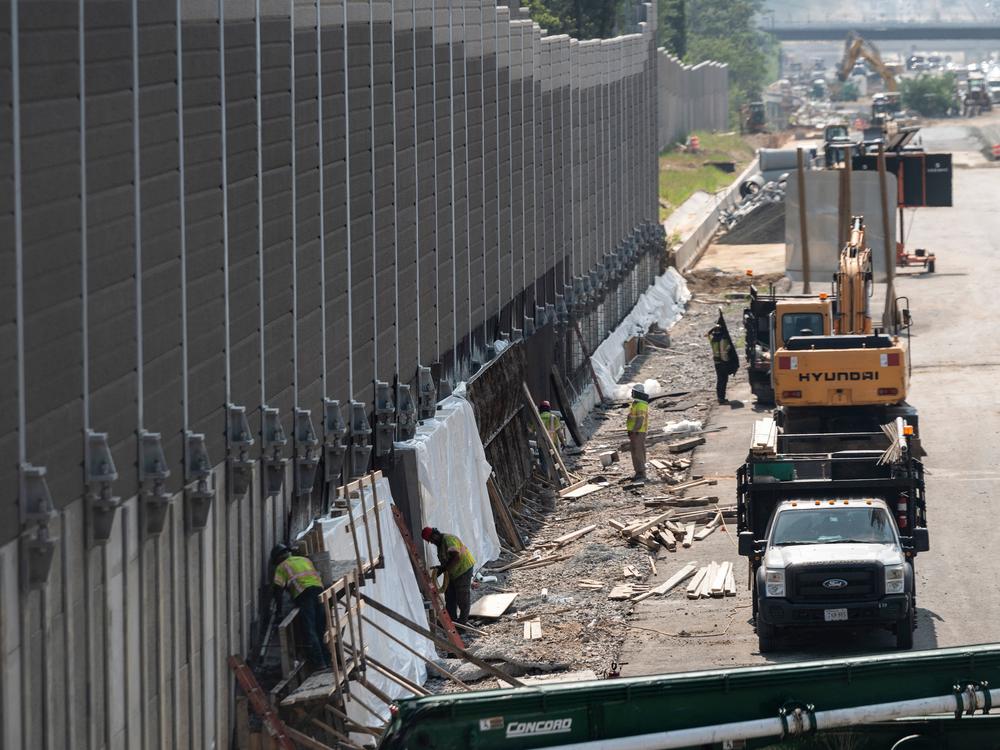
858 47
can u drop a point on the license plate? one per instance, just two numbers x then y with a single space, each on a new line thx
835 615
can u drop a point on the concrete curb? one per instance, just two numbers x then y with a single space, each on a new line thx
694 245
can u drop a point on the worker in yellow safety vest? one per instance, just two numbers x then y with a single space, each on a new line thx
637 424
298 575
457 563
553 424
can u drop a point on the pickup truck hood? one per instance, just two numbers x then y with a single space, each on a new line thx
813 554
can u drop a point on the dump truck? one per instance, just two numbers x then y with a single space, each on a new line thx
927 699
831 524
838 373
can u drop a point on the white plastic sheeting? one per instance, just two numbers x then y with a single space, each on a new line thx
452 471
395 586
663 304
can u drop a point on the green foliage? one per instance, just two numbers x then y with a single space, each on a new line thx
726 31
846 93
582 19
929 95
671 28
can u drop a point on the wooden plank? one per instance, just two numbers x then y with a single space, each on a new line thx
491 606
764 438
688 535
730 583
667 541
652 565
590 364
695 583
573 486
582 675
636 529
565 539
705 590
502 513
532 629
686 445
718 588
583 491
565 405
430 663
704 532
682 575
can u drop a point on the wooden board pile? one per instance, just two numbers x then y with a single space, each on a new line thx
715 580
671 527
547 552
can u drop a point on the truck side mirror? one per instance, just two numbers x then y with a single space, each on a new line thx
747 544
921 540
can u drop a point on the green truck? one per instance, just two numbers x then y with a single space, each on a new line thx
906 701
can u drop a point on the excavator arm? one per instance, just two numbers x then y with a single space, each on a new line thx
858 47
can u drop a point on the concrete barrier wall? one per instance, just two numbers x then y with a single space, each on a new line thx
264 204
690 97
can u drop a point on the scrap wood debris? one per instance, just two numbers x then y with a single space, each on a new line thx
575 573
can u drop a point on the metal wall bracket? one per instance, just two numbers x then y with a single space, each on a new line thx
37 552
273 442
426 394
361 449
99 473
306 452
199 489
153 474
385 412
406 413
37 547
240 441
334 430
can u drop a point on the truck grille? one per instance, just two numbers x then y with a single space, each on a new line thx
806 583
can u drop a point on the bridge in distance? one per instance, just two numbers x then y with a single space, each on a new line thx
808 32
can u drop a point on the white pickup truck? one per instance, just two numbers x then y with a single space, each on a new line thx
832 536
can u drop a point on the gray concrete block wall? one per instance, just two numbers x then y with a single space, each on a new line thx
690 97
264 204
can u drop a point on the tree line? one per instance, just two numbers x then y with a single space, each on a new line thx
694 30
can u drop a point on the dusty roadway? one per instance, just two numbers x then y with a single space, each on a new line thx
956 355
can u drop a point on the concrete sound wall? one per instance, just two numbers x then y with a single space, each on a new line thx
262 204
691 97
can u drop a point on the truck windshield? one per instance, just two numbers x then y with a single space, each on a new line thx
801 324
833 525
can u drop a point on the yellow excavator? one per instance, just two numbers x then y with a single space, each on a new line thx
857 47
832 371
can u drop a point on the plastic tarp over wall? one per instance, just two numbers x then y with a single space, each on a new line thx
395 586
452 471
663 304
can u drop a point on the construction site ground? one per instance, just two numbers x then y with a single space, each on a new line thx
956 361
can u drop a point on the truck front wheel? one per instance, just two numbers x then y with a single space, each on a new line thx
766 636
904 630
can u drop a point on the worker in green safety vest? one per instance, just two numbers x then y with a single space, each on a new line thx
298 575
456 563
553 424
636 425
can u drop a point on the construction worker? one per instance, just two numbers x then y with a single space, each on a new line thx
298 574
722 354
553 424
456 562
637 424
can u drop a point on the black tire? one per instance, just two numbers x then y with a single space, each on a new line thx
767 636
930 266
904 631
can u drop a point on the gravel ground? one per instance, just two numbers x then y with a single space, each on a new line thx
581 628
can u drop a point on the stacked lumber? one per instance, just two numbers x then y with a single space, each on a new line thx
676 579
713 581
764 438
624 591
666 529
